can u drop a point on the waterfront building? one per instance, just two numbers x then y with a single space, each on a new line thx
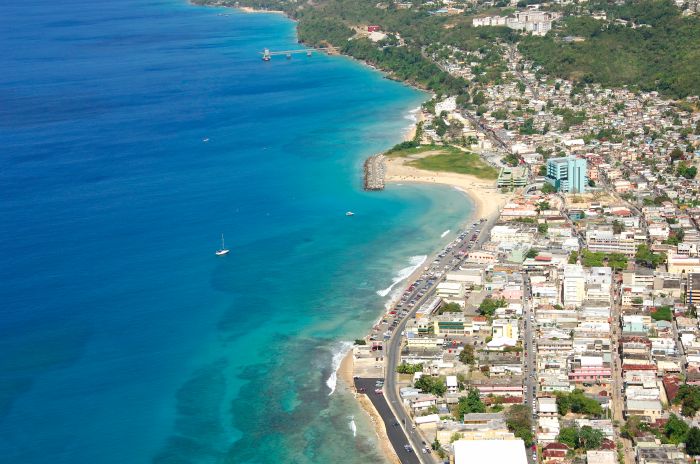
512 177
568 174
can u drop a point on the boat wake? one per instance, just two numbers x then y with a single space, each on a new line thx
338 355
445 233
416 262
352 426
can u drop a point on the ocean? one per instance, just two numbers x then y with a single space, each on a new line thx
132 135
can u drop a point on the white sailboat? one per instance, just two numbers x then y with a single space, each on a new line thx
223 250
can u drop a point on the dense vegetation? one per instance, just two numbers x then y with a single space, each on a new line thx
585 438
616 261
689 398
466 356
661 52
647 44
577 403
468 404
405 368
518 420
489 306
429 384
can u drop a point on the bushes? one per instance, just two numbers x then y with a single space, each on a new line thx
404 368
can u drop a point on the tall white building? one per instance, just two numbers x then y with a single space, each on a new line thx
574 285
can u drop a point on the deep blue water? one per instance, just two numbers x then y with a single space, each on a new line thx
123 339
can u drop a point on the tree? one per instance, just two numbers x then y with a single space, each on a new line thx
676 154
531 253
518 420
573 257
542 171
466 356
548 188
646 257
429 384
618 227
589 438
676 429
692 444
542 206
450 308
687 172
577 403
632 427
568 436
469 404
478 98
489 305
689 397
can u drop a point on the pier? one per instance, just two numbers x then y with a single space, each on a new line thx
374 172
267 54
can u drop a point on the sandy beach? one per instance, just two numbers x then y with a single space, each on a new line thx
411 133
247 9
488 200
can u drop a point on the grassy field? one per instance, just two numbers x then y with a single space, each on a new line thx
398 153
457 161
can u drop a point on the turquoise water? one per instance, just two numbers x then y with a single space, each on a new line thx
124 338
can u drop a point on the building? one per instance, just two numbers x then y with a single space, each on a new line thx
470 451
574 285
693 292
568 174
512 177
603 239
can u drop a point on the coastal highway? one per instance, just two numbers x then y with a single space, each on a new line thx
451 257
394 431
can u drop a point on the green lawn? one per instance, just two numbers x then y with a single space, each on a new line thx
457 161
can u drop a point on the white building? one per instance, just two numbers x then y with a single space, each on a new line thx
574 285
495 451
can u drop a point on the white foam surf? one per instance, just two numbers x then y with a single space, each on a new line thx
445 233
338 355
403 274
353 426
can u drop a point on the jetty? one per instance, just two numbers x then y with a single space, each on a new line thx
267 54
374 172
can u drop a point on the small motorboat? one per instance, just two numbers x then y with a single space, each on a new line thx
349 213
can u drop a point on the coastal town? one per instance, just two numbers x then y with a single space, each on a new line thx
561 325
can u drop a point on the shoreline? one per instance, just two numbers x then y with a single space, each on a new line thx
251 10
345 374
487 199
472 187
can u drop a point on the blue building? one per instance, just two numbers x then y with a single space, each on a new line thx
568 174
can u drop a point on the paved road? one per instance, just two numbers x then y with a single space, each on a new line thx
396 434
530 371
